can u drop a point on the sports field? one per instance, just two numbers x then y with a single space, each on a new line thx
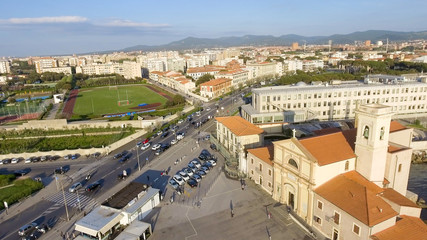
105 100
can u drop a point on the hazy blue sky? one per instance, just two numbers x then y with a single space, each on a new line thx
42 27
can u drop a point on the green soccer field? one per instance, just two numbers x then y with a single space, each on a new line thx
105 100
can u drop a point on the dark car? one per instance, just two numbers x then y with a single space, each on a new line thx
213 147
62 170
192 183
165 146
208 165
124 158
159 151
201 173
165 134
92 187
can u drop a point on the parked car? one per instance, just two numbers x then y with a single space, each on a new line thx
76 186
165 146
138 144
124 158
201 173
184 175
165 134
174 141
179 136
205 169
6 161
197 177
145 146
180 121
75 156
208 165
159 151
92 187
43 158
173 184
213 147
192 183
118 155
188 171
28 160
196 163
178 179
68 156
212 162
207 137
145 141
156 146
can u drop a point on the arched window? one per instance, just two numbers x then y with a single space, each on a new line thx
293 163
366 132
347 164
382 133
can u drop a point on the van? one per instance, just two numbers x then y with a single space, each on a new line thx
27 229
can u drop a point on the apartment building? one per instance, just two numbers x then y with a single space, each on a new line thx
46 62
174 80
238 77
4 66
215 88
128 69
263 69
64 70
197 72
302 102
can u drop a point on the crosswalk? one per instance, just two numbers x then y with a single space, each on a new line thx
72 200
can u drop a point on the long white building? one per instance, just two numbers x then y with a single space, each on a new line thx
302 102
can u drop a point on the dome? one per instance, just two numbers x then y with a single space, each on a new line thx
301 84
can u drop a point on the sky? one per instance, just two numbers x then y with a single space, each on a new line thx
46 27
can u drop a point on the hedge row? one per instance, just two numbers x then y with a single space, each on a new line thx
21 189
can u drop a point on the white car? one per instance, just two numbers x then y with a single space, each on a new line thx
145 146
196 163
188 171
15 160
208 109
184 175
156 147
212 162
174 141
76 186
180 121
180 136
173 184
179 180
28 160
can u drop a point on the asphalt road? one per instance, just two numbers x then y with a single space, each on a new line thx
52 210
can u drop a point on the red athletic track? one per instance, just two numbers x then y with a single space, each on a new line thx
69 104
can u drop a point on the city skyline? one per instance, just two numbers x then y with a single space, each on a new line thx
55 28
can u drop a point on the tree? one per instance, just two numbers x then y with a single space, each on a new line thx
11 100
204 78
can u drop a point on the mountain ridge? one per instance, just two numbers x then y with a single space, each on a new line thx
283 40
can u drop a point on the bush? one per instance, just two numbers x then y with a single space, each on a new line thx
6 179
22 188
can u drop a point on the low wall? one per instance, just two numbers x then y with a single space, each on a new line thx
59 124
419 145
60 153
198 97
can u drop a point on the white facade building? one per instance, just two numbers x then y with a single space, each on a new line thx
64 70
4 66
302 102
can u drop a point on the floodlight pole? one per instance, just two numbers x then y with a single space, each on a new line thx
65 200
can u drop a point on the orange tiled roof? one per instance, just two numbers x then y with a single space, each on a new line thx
239 126
204 69
394 196
215 82
329 148
405 228
392 148
396 126
264 153
358 197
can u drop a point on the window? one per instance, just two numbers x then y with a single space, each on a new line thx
319 205
382 133
293 163
318 220
399 168
336 218
269 184
347 163
269 172
252 172
252 161
356 229
260 167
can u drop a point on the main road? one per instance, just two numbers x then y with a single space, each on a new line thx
59 205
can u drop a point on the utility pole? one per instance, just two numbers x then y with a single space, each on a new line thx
137 155
65 200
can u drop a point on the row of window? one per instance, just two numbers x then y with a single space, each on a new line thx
300 96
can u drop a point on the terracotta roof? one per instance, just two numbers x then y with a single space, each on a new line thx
394 196
396 126
357 196
215 82
392 148
405 228
330 148
239 126
326 131
264 153
204 69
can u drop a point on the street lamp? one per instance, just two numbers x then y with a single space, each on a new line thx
137 155
65 199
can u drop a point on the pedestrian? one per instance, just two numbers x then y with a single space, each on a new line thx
232 213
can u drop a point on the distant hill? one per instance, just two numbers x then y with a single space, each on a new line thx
284 40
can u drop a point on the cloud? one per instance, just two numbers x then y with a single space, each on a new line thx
127 23
44 20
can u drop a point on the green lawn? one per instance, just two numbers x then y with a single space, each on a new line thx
98 101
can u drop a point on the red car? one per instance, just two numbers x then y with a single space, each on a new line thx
146 141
